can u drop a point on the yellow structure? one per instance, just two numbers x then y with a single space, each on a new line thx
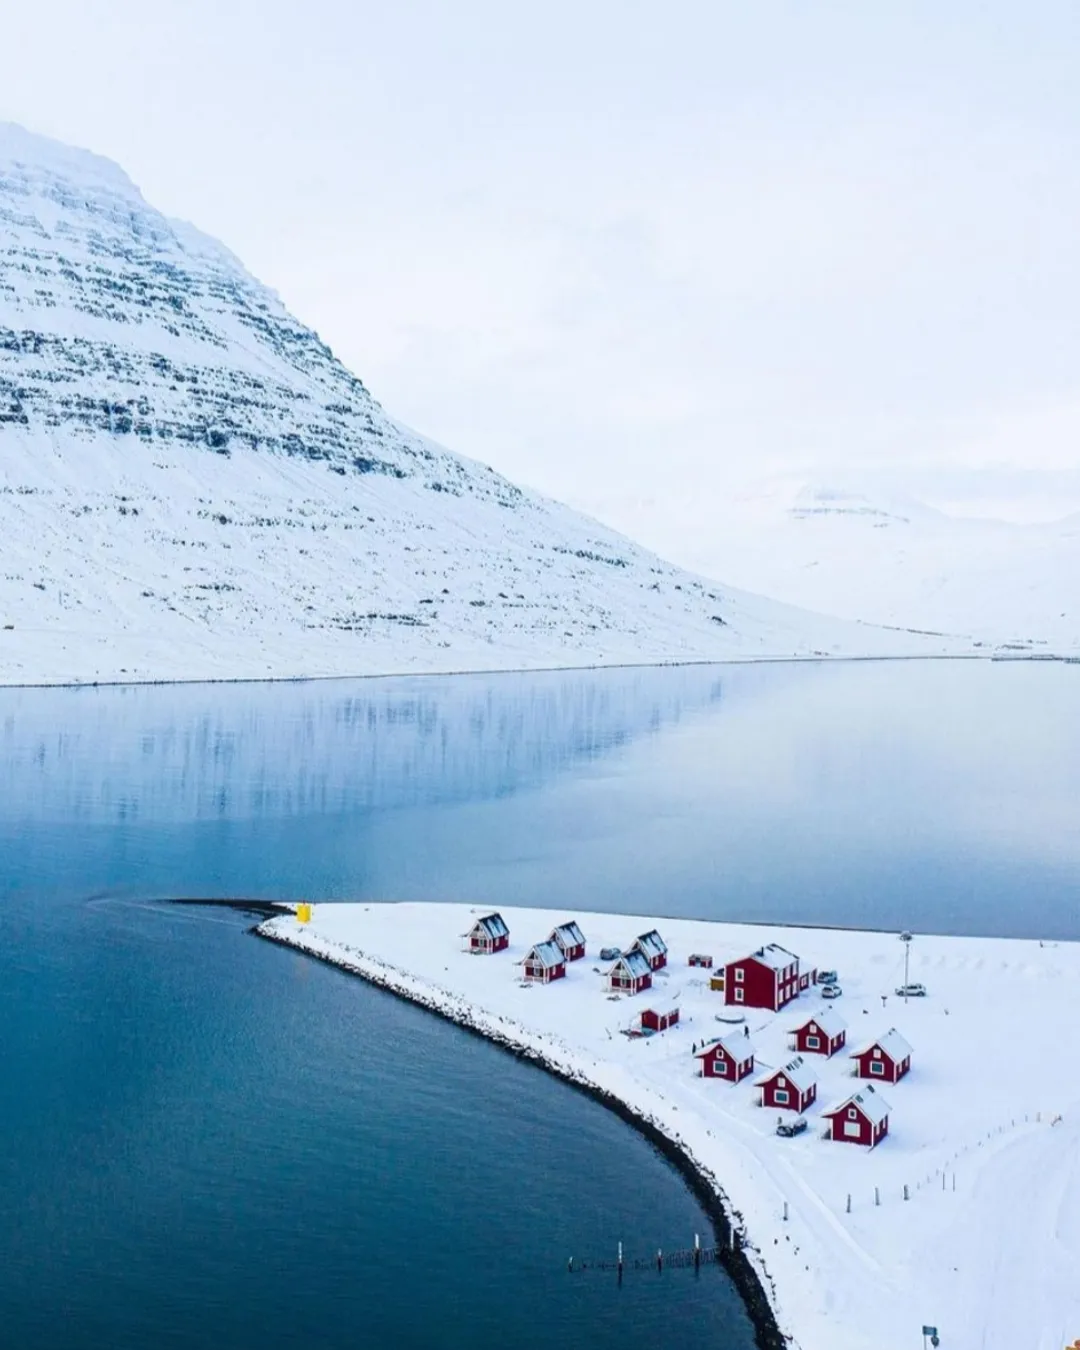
303 912
717 981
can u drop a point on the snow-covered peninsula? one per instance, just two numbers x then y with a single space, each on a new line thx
192 486
964 1216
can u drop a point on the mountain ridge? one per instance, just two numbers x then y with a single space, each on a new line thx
192 486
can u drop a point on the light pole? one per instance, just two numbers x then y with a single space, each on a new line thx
905 938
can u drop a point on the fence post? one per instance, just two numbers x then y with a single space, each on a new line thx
785 1211
849 1204
877 1196
907 1195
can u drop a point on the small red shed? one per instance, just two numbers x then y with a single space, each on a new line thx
791 1088
630 974
570 940
700 960
822 1034
653 948
862 1118
659 1019
487 935
767 978
730 1057
888 1058
544 963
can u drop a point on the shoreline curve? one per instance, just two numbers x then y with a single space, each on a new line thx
730 1236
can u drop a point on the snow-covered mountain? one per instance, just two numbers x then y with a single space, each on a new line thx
191 486
857 554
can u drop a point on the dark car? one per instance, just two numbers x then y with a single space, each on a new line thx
826 977
788 1129
610 953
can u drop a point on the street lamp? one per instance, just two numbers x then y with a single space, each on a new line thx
905 938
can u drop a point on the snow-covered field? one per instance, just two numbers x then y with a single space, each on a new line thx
984 1131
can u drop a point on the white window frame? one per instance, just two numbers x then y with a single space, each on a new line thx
877 1068
739 995
740 975
813 1042
852 1129
781 1096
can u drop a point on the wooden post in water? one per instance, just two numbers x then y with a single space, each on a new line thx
697 1251
659 1259
620 1266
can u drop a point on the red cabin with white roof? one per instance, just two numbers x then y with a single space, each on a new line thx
887 1059
487 935
862 1118
767 978
570 940
653 948
822 1034
730 1057
544 963
791 1088
630 974
659 1019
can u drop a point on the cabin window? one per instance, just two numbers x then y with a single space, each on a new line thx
877 1053
740 975
738 995
813 1042
851 1129
877 1067
780 1097
852 1113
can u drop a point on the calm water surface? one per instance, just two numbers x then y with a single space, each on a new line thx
209 1141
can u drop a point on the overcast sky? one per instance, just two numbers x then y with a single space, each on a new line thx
627 252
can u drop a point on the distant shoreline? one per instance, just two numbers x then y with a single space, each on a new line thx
1037 658
703 1185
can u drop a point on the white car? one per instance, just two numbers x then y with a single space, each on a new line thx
911 991
830 991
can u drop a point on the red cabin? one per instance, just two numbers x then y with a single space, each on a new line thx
863 1118
653 948
630 974
822 1034
886 1059
768 978
791 1088
544 963
659 1019
487 935
570 940
701 960
730 1057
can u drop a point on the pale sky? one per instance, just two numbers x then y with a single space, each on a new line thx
631 252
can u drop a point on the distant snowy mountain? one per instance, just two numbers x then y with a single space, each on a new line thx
191 486
855 555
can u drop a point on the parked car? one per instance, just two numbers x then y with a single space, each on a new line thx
912 991
826 977
610 953
788 1129
831 991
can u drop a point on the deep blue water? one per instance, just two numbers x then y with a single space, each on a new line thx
210 1141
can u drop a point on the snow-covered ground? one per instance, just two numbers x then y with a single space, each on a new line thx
984 1131
192 486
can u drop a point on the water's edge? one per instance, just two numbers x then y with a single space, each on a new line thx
746 1275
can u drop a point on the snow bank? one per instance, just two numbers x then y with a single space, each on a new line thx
984 1131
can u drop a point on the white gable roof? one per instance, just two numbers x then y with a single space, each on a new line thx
774 956
738 1048
634 963
492 925
870 1102
797 1071
892 1043
569 934
546 954
651 943
664 1009
831 1023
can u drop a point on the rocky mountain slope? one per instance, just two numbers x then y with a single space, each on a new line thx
192 486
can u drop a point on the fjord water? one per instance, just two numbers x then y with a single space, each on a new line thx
209 1141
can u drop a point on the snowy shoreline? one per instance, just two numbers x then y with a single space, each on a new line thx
750 1280
407 673
848 1247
